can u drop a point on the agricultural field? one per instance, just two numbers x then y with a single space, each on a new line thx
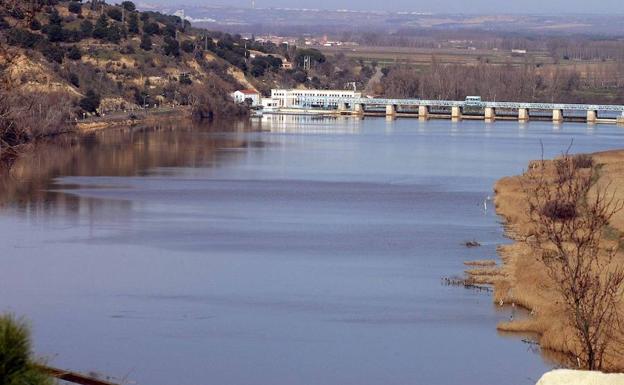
387 56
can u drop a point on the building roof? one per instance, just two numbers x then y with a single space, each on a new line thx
248 92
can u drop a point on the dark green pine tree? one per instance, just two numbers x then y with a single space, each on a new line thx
100 31
146 42
133 23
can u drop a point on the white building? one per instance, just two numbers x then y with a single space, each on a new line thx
241 96
269 104
296 98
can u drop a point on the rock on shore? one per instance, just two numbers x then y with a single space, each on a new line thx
578 377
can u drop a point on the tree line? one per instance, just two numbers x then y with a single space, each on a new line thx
526 83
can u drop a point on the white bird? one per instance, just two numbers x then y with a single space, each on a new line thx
485 206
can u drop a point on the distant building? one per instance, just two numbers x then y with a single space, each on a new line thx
247 96
519 51
287 65
286 98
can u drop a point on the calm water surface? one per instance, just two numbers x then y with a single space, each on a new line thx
304 252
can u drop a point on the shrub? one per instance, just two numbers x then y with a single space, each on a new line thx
101 28
53 53
74 80
185 79
188 46
257 71
75 7
171 47
133 23
128 49
16 12
17 365
561 211
91 102
582 161
74 53
22 38
128 6
113 34
55 18
300 77
55 32
115 13
35 25
151 29
146 42
86 28
170 30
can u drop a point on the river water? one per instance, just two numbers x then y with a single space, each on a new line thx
283 251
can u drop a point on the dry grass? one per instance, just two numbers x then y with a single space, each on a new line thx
482 262
525 282
485 276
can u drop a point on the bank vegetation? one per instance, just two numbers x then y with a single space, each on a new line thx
566 265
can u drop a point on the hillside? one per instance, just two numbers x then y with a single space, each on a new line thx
72 59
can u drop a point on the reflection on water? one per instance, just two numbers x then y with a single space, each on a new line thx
285 250
30 187
310 124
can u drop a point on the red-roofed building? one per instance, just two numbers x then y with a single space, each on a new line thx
247 96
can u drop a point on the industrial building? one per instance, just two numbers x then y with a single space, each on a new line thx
288 98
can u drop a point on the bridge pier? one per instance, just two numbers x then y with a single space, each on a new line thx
557 116
456 113
523 114
423 112
391 110
359 108
490 114
592 116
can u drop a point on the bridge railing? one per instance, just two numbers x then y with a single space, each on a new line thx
319 100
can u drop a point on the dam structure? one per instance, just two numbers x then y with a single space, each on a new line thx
352 103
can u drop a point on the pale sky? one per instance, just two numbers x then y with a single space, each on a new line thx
440 6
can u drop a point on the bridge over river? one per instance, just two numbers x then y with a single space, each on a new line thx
467 109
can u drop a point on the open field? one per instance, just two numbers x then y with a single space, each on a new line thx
420 57
424 56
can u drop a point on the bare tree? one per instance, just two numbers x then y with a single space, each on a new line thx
569 214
